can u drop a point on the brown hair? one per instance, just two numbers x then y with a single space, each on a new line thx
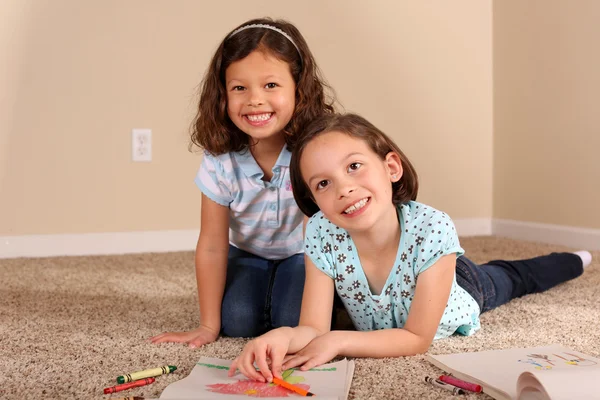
356 126
213 130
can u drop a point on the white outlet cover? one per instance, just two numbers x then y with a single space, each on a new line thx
141 145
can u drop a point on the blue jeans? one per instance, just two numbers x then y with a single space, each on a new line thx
497 282
261 294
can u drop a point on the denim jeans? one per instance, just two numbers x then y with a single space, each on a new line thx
497 282
261 294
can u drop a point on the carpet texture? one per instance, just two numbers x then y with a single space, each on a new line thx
70 325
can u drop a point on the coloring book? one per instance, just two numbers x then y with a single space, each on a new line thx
550 372
209 380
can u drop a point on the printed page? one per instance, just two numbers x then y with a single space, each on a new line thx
209 380
498 370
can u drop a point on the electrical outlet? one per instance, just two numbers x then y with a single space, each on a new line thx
141 145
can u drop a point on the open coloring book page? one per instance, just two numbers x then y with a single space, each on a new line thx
559 369
209 380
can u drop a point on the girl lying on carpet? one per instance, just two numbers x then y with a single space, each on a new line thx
396 264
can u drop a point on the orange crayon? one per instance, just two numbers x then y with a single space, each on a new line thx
291 387
125 386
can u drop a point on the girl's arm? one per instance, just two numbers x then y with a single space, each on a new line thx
430 300
211 270
317 304
211 261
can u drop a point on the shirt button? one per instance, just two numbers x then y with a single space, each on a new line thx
272 188
273 207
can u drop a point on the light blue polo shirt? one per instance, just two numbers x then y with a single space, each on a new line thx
427 235
264 218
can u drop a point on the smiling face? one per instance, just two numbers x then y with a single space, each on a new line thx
349 182
261 95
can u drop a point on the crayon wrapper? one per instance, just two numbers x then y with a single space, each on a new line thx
460 383
129 385
144 374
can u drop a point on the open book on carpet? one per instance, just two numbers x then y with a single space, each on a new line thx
209 380
549 372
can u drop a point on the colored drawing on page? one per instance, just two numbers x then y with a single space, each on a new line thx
225 367
542 357
575 360
253 388
537 361
209 379
212 366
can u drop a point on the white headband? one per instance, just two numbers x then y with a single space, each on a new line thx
288 37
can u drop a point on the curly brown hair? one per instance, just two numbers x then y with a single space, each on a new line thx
354 125
213 130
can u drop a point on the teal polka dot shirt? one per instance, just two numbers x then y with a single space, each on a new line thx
427 235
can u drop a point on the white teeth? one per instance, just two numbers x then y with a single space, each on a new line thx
356 206
259 117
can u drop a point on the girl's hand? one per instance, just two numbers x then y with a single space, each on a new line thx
196 338
320 350
273 345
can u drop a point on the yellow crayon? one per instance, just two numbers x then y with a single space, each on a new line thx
167 369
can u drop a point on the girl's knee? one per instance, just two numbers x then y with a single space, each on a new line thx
241 322
241 318
285 316
238 329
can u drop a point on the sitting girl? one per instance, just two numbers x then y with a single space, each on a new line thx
396 264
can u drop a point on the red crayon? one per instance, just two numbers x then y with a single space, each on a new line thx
125 386
460 383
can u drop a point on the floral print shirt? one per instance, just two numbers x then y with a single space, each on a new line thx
427 235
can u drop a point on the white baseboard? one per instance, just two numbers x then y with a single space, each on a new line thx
142 242
97 243
473 226
578 238
185 240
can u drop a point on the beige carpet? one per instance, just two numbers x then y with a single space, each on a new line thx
70 325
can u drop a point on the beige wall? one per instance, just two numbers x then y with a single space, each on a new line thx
79 75
13 24
546 111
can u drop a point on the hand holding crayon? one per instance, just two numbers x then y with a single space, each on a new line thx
291 387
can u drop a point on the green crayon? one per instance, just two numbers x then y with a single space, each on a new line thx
167 369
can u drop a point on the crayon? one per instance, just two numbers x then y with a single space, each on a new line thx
442 385
291 387
454 381
134 376
125 386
